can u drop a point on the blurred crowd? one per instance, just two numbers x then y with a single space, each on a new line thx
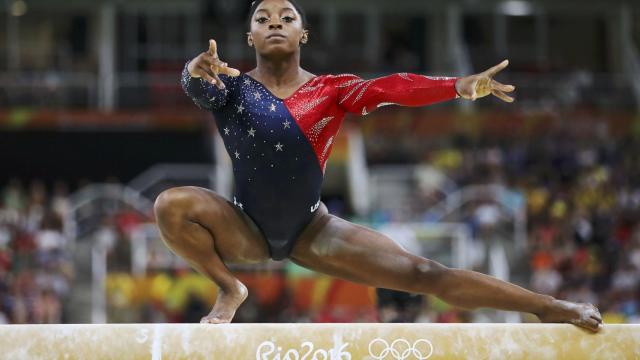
36 268
584 238
581 190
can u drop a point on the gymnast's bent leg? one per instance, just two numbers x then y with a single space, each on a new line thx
337 247
207 231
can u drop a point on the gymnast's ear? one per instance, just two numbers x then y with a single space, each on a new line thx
249 39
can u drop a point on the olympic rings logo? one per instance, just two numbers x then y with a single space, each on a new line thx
421 349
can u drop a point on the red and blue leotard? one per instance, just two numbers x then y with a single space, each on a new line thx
279 147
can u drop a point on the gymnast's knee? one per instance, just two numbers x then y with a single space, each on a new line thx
178 204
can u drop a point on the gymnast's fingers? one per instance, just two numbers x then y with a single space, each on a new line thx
588 324
496 69
213 48
220 67
597 319
596 314
207 75
214 71
502 87
592 324
219 82
225 69
209 60
502 96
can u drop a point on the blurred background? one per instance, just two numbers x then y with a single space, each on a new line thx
544 192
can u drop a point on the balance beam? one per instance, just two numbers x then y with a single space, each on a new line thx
318 341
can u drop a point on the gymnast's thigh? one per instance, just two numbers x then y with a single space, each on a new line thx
236 238
339 248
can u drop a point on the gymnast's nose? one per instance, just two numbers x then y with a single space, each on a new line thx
275 26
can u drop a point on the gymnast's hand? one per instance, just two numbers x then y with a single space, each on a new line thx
208 65
480 85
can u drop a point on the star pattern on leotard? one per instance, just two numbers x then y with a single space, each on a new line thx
251 130
237 203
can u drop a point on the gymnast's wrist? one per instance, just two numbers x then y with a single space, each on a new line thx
455 88
544 305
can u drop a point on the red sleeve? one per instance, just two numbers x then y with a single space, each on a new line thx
359 96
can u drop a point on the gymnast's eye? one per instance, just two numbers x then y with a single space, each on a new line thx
288 19
262 20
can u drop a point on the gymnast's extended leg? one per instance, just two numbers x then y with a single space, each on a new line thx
337 247
207 231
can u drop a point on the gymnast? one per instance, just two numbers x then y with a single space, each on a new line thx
278 123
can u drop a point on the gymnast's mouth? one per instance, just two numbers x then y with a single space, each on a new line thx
276 36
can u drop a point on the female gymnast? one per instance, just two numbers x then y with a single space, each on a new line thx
278 123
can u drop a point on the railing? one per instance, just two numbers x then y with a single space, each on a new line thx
569 90
218 176
163 176
108 197
393 188
449 243
50 90
505 198
89 206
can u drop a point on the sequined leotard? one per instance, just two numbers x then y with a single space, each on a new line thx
279 147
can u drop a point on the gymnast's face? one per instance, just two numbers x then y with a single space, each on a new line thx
276 29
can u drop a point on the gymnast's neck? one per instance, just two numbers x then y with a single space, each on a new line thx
278 70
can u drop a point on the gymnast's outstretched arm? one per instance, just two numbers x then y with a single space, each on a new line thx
359 96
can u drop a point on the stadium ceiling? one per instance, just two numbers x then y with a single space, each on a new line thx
480 6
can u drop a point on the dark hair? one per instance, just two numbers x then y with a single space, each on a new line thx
255 4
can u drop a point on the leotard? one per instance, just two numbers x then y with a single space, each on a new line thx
279 147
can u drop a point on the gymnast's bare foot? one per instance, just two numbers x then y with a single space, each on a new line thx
583 315
226 305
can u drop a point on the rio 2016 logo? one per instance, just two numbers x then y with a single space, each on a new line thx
400 349
379 349
269 351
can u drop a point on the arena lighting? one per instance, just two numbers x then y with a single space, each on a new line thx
18 8
516 8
